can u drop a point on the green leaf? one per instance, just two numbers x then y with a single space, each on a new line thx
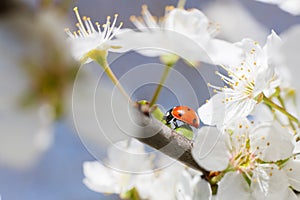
186 131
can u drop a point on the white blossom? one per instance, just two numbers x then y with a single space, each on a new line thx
249 154
235 13
291 6
186 33
88 38
169 183
105 179
192 188
290 59
244 84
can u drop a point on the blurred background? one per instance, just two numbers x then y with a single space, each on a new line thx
41 153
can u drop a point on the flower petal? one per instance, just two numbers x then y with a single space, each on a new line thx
235 13
292 169
291 6
233 186
218 112
213 111
223 53
270 183
210 150
192 23
271 142
273 44
99 178
202 190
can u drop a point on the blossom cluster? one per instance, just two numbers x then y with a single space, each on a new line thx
249 144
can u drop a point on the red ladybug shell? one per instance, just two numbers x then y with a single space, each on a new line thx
186 115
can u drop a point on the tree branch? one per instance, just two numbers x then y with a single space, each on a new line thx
159 136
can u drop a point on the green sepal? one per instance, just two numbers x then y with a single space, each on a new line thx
132 194
169 59
99 56
143 102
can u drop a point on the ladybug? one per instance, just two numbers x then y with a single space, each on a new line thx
184 114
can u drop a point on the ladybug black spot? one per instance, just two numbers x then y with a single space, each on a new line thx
189 109
180 114
194 121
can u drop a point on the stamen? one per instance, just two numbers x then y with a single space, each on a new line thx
79 20
113 24
87 24
91 25
139 24
68 32
148 18
98 27
116 31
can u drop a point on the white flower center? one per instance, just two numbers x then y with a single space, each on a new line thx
241 80
246 159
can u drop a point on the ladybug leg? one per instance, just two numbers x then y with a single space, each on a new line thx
175 123
168 117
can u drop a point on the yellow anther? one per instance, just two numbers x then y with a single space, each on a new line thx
132 18
144 6
169 8
271 174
